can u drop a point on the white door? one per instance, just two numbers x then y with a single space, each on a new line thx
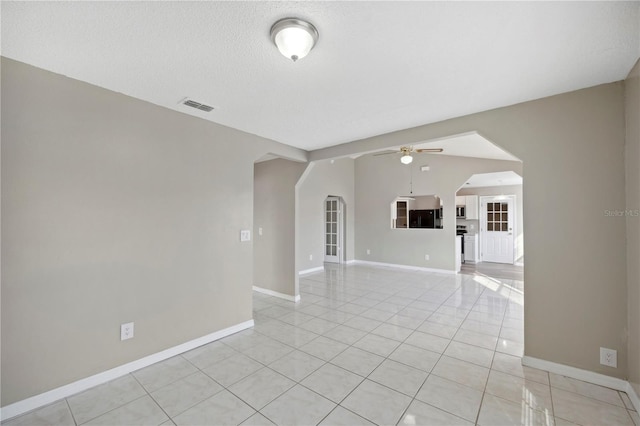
496 229
333 212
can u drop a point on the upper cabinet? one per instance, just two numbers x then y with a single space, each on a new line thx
472 207
400 213
470 204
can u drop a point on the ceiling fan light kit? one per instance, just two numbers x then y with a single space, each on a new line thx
406 151
294 37
406 159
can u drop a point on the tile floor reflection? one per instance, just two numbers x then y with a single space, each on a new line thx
365 346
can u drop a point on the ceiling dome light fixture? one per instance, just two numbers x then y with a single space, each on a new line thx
294 37
406 159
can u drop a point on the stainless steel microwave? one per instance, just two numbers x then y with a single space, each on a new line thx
461 212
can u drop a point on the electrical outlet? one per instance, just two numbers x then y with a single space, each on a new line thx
609 357
245 235
426 257
260 231
368 251
310 257
126 331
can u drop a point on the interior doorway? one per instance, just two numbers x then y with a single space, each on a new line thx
334 232
497 229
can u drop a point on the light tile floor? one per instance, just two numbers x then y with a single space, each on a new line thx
365 346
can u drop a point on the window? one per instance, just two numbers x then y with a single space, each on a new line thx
498 217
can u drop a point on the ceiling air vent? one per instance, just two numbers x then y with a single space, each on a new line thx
197 105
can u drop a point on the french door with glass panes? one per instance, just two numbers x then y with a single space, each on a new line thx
333 230
496 229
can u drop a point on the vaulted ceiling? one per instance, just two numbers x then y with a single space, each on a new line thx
377 67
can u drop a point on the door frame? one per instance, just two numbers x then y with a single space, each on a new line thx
483 222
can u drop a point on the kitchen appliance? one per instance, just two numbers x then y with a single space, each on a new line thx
461 230
428 218
422 218
461 212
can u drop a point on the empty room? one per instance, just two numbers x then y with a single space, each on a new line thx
320 213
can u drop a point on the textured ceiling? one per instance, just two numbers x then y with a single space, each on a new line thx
377 67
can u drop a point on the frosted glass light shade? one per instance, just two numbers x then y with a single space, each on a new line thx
406 159
295 38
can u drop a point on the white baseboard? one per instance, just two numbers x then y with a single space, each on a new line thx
577 373
585 376
311 270
321 268
634 397
21 407
268 292
398 266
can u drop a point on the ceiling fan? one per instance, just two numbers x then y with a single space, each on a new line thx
406 153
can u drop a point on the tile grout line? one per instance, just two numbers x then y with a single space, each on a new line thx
352 345
436 363
385 358
450 340
329 362
151 396
484 391
73 417
268 367
430 372
480 406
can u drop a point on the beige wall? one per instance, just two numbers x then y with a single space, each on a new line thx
380 179
322 179
115 210
572 147
632 166
274 212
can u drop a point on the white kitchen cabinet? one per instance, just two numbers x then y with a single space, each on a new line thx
471 201
471 253
400 213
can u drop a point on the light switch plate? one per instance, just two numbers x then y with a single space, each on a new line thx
245 235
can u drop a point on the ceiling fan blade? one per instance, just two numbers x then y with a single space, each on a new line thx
429 150
385 153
